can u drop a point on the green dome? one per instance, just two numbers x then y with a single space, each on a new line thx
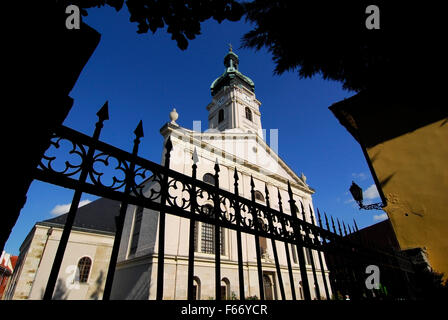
231 75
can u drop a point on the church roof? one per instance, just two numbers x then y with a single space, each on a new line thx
97 216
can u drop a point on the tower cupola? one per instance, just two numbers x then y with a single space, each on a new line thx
234 105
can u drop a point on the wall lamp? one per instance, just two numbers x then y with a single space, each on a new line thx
356 192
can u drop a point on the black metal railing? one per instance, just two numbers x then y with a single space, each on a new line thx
344 253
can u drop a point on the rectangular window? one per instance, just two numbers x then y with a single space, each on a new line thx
308 255
208 239
294 253
136 231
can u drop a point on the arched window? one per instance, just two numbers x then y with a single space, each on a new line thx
248 114
196 288
220 115
225 289
259 196
209 178
84 265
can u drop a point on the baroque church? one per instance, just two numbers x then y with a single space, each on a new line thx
234 139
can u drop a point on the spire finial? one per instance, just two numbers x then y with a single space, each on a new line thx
230 47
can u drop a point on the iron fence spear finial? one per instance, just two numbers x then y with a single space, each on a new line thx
319 217
339 227
289 189
311 213
235 177
216 166
326 221
312 216
333 225
194 166
139 130
195 156
303 211
356 226
217 170
103 113
280 206
266 191
292 202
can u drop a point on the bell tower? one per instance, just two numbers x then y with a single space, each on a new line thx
234 105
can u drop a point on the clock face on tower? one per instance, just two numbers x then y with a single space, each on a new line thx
247 98
220 101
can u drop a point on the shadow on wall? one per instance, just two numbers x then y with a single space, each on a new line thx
97 294
141 290
60 291
133 283
386 180
444 122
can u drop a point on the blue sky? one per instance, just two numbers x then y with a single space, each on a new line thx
143 76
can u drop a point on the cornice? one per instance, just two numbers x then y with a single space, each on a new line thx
195 139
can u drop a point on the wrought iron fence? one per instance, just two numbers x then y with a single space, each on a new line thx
346 255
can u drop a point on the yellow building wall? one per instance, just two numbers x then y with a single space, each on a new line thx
413 171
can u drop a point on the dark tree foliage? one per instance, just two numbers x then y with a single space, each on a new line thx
331 38
182 18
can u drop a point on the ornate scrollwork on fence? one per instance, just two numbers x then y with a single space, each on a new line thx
70 167
102 168
178 194
84 163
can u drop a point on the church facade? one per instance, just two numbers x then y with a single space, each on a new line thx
235 140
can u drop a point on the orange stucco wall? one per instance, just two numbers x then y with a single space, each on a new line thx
413 171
